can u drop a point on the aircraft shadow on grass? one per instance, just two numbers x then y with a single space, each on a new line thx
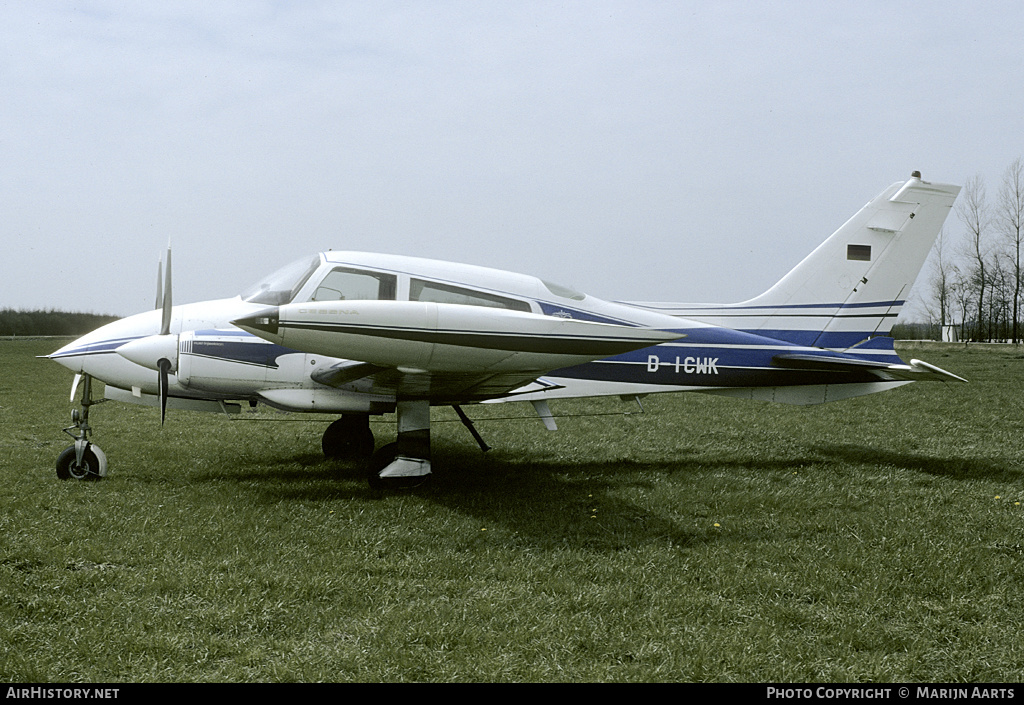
958 468
550 504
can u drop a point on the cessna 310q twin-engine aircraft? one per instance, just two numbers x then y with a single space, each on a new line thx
356 334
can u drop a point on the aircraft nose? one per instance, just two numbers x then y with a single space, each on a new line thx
266 321
70 356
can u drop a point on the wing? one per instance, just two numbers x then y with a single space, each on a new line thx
445 352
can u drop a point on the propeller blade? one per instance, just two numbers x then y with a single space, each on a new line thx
159 285
165 366
165 326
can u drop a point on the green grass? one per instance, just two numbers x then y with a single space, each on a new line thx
708 539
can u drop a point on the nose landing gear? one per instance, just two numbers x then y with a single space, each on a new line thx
82 460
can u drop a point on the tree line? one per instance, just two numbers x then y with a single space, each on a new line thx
16 323
975 285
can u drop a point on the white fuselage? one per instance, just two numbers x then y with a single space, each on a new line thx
477 334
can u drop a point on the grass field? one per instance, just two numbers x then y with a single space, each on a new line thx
708 539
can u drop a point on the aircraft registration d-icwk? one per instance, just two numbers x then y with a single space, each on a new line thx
355 335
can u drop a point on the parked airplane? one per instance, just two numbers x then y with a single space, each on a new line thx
356 334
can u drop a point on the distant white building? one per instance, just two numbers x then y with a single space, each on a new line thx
949 334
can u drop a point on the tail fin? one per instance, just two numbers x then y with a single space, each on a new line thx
853 286
856 282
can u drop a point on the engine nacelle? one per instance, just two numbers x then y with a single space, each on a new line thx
231 361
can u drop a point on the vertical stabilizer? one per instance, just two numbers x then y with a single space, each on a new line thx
855 283
852 286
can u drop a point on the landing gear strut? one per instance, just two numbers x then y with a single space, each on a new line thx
400 465
405 463
83 460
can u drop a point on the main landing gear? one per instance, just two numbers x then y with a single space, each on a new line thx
82 460
403 464
406 462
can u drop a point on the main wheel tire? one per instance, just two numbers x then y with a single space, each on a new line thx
380 460
68 467
348 438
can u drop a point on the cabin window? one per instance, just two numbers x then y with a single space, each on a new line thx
861 253
344 284
420 290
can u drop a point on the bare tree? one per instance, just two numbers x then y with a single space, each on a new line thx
1000 296
1010 221
972 211
960 290
941 282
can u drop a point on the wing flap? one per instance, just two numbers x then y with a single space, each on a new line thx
439 387
344 373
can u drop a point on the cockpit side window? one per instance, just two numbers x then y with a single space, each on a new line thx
282 286
345 284
420 290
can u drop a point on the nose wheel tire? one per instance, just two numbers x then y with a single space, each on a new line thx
93 465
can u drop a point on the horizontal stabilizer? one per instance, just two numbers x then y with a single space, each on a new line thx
917 370
797 361
925 370
877 342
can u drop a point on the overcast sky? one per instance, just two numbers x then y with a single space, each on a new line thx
683 151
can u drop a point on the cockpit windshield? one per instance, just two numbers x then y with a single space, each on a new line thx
282 286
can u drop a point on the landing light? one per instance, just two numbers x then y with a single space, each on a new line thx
266 320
